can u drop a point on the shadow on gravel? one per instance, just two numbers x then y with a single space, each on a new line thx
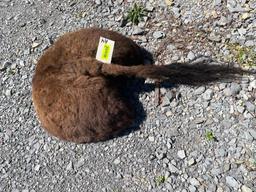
204 71
201 71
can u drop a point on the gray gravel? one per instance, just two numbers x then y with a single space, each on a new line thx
170 151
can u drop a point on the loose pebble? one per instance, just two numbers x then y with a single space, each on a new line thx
181 154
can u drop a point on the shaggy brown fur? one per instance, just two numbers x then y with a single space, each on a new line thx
78 99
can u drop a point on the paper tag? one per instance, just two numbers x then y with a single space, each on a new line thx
105 50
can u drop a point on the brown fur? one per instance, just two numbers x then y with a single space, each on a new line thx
78 99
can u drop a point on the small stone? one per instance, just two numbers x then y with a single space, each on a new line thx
169 2
233 90
70 166
173 104
201 189
72 3
250 107
137 31
194 182
98 2
192 188
211 187
232 182
168 186
221 152
151 138
171 47
169 145
227 92
227 167
169 95
222 86
219 189
43 21
8 92
120 2
232 141
172 168
37 167
36 44
80 162
158 34
191 162
199 120
191 55
119 176
22 63
176 12
217 2
5 65
157 123
181 154
242 31
246 189
247 136
245 16
168 113
208 94
142 24
167 174
175 58
165 102
149 7
214 37
248 115
215 171
117 161
233 7
252 133
240 109
27 51
160 155
249 43
223 21
163 90
14 66
253 84
152 157
199 90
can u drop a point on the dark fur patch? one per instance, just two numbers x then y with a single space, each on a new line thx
74 104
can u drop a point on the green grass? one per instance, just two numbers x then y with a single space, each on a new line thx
254 162
136 13
11 71
160 179
80 15
209 136
244 56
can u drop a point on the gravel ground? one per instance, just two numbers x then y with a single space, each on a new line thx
199 139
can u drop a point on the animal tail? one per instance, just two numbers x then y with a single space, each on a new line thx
190 74
140 71
193 73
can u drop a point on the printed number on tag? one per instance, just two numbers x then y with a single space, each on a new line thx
105 50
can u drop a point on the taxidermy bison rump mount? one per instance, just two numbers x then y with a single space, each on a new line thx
81 100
